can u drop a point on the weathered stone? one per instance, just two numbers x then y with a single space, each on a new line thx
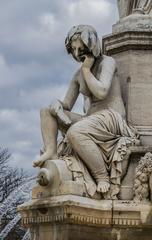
127 185
99 169
132 7
134 23
133 54
56 213
73 217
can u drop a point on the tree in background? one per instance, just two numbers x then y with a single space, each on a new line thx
10 179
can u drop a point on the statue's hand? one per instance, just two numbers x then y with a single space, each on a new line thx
88 62
58 111
55 107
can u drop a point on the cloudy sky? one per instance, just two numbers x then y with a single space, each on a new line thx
34 65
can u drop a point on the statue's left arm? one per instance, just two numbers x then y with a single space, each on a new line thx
100 88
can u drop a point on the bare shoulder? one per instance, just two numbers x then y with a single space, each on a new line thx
107 60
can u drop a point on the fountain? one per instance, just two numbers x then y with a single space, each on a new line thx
27 235
100 153
10 226
24 192
15 195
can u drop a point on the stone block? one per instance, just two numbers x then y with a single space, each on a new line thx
79 218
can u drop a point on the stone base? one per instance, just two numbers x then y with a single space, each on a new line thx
77 218
58 186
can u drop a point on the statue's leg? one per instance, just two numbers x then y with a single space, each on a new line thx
74 117
49 129
90 153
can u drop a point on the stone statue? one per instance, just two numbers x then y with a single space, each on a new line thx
94 144
127 7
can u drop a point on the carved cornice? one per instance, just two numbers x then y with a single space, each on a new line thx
67 218
125 41
81 219
87 212
144 130
126 222
66 214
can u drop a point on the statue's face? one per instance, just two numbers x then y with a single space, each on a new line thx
79 50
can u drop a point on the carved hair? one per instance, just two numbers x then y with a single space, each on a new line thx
89 37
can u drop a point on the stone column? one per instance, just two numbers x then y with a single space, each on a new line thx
131 46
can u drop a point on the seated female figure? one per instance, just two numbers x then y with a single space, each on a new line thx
100 137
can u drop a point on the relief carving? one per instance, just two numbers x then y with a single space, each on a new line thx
142 184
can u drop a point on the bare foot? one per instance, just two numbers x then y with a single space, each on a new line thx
103 186
44 157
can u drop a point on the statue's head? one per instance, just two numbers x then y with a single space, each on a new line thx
82 40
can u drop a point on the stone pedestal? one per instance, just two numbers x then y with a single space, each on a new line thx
78 218
131 46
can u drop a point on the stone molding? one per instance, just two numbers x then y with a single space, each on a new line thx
144 130
79 210
129 40
67 217
140 149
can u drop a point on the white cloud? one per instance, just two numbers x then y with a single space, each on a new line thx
22 161
13 74
2 61
41 97
20 133
48 23
88 8
34 65
36 34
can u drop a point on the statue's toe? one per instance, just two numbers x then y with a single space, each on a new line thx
103 186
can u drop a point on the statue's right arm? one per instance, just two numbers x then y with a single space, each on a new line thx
72 93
